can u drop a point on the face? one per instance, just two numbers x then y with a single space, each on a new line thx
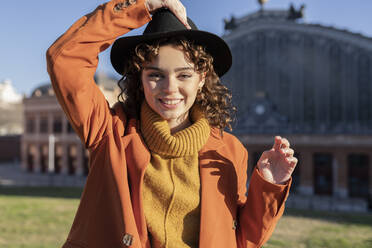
170 84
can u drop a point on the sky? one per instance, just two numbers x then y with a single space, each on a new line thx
28 28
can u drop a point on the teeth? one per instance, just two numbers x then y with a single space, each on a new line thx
171 102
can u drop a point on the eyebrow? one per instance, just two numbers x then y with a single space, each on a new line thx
176 70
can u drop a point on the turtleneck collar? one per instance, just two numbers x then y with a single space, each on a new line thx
159 139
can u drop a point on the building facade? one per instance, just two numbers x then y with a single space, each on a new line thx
311 84
44 121
11 110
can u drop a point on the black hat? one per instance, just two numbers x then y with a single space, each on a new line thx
165 24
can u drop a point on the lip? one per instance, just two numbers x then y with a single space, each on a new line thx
170 106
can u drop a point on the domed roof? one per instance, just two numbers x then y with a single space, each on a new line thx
43 90
317 77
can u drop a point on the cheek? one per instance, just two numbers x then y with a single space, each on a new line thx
148 88
192 90
148 95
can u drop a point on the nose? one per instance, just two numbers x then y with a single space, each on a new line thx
170 85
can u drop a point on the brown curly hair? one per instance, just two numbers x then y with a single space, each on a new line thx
214 98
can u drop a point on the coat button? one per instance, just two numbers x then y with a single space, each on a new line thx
235 224
128 239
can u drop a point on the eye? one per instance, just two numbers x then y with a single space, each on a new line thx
155 75
185 76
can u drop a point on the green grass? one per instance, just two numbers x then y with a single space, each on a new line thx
322 229
36 217
40 217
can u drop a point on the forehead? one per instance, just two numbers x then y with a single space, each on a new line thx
170 56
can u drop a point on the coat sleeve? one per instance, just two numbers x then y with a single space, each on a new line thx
73 58
260 209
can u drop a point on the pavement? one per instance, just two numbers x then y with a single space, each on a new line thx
11 174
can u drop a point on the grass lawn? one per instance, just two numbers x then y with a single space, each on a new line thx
36 217
321 229
41 218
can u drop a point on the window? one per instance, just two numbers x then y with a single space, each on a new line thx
44 124
57 124
69 128
358 171
30 125
72 159
323 180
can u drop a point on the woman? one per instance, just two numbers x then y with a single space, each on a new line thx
162 171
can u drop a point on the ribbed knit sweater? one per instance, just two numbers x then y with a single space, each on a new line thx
171 189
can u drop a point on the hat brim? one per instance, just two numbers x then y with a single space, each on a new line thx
214 45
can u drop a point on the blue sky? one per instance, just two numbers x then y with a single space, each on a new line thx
29 27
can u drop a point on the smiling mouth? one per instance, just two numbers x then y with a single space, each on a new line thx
170 102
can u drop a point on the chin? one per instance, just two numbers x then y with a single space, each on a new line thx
170 116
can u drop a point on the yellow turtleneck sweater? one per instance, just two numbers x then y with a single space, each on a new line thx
171 186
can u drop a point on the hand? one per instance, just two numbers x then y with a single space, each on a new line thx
277 164
173 5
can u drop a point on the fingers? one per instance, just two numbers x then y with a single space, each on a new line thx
280 143
180 12
277 143
292 161
288 152
175 6
285 143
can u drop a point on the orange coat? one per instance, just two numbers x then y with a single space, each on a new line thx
110 213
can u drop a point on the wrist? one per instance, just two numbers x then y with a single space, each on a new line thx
269 178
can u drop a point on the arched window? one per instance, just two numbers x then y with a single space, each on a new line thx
72 159
44 158
30 157
58 163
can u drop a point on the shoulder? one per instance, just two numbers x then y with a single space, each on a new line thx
232 141
131 125
117 109
231 144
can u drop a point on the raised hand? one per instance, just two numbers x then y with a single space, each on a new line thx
173 5
277 164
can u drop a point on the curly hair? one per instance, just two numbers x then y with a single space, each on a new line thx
214 98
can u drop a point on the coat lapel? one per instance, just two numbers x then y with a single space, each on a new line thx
138 157
208 187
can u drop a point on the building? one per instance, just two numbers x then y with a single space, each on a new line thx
11 110
311 84
11 122
43 117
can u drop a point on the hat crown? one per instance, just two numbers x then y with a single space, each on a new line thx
163 21
164 24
